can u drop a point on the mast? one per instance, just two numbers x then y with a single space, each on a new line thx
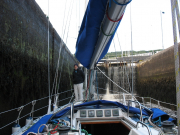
131 51
49 107
176 15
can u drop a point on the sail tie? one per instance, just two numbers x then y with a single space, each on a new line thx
121 4
110 18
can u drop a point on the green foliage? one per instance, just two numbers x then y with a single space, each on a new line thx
111 55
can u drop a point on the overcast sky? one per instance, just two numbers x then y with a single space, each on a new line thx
66 17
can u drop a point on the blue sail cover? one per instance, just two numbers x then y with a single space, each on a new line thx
156 113
159 113
35 127
89 32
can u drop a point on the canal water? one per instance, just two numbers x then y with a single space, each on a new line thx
121 74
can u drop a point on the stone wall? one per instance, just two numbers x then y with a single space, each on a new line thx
24 59
156 76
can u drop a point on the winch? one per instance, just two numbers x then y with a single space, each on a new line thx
167 126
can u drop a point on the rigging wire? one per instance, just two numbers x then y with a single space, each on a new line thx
61 69
69 21
48 55
79 16
123 61
69 73
31 111
49 105
67 18
76 21
56 90
131 50
117 84
64 19
57 70
115 49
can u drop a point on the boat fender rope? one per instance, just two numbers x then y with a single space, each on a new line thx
32 110
105 33
19 110
110 18
121 4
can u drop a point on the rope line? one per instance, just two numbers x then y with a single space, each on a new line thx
65 99
16 108
30 112
43 98
33 103
22 117
36 101
14 121
71 97
20 110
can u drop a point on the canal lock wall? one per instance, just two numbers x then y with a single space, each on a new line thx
24 60
153 77
156 77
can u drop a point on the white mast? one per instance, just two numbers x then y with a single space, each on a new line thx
176 15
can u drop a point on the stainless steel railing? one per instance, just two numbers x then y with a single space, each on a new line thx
141 119
72 114
149 131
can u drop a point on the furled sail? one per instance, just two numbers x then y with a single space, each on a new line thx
100 22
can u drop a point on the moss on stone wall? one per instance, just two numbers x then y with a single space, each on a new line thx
156 77
24 59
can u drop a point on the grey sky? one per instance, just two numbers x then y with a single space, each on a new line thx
146 23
